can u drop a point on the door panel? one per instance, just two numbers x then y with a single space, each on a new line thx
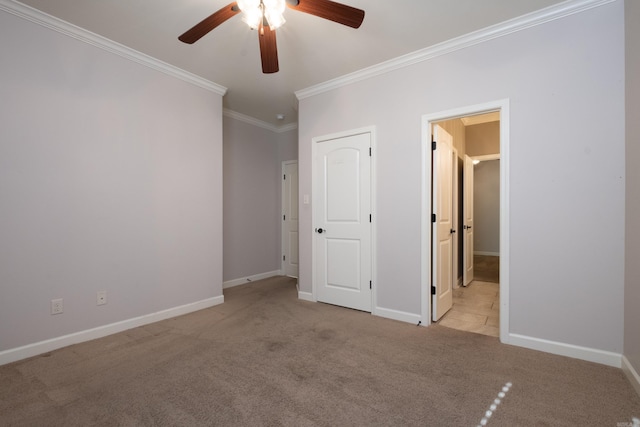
467 227
290 218
342 205
442 274
341 255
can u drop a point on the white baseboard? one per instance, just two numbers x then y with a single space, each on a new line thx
306 296
30 350
631 373
401 316
245 280
485 253
569 350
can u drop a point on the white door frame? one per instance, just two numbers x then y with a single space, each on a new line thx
427 120
372 131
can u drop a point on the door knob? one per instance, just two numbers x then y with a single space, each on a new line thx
466 227
320 230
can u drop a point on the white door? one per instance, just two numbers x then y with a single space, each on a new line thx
467 224
290 218
442 270
342 221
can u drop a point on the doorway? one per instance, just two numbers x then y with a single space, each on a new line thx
490 296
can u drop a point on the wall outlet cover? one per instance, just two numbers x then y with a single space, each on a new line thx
101 298
56 306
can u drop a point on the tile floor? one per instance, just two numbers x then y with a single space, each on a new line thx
475 309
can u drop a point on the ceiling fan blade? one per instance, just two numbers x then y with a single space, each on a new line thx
209 23
268 49
327 9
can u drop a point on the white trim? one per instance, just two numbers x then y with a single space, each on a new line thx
505 219
425 270
631 373
523 22
247 279
577 352
41 347
374 221
306 296
486 253
259 123
38 17
401 316
371 130
425 221
486 157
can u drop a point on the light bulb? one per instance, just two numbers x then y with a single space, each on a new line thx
246 5
253 17
275 5
274 19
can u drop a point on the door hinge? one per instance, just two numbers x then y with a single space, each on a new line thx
433 145
369 217
370 285
369 151
433 217
284 217
284 176
283 257
433 290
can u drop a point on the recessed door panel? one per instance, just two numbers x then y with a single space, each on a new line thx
343 185
341 256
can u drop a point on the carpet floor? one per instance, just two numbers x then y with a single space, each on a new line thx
266 358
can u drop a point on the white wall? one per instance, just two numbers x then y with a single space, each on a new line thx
632 248
110 179
252 209
565 83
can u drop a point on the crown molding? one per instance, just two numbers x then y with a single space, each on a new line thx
523 22
30 14
259 123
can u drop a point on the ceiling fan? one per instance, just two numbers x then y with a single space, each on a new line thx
266 16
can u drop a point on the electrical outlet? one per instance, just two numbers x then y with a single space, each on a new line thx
56 306
102 298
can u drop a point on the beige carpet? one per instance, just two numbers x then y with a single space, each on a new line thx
265 358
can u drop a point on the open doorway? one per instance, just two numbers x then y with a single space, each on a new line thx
476 293
480 273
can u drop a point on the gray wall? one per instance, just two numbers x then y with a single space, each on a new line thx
564 112
110 179
632 248
486 207
252 205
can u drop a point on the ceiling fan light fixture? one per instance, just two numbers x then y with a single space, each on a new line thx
256 11
252 17
246 5
274 18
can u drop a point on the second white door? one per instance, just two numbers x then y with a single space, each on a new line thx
290 218
442 263
467 227
342 221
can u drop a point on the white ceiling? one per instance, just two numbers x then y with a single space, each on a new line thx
310 50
